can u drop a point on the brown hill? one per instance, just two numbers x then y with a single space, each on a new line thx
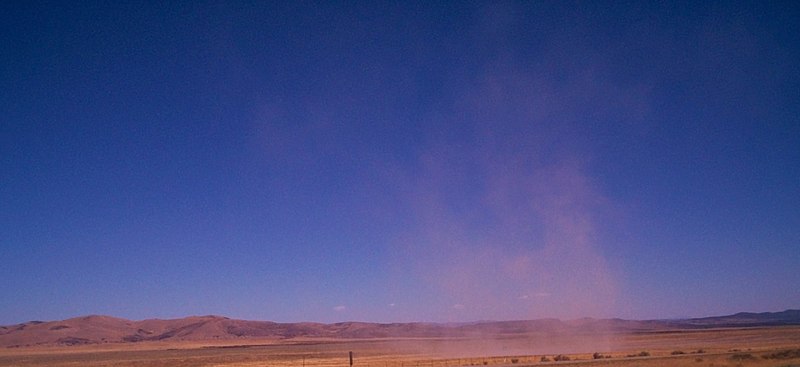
105 329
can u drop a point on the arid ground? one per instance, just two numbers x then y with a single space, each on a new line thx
756 347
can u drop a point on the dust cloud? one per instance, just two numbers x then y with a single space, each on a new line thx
503 213
503 207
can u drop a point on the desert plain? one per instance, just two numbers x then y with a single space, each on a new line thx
708 347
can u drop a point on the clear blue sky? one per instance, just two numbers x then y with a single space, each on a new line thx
384 161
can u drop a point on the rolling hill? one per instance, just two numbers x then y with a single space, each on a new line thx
97 329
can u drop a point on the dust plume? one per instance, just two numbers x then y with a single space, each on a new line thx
504 214
503 218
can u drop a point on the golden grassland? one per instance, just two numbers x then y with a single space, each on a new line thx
742 347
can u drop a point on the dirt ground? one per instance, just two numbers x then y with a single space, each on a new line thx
743 347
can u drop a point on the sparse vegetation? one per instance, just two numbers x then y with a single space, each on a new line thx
768 350
677 352
742 357
561 357
640 354
784 354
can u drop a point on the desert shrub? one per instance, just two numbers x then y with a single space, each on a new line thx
597 355
700 351
485 363
544 359
514 360
742 357
561 357
784 354
640 354
677 352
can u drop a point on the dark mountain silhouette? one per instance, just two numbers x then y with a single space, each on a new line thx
105 329
788 317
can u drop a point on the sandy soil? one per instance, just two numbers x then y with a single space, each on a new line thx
745 347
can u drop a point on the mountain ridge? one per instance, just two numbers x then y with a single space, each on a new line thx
100 329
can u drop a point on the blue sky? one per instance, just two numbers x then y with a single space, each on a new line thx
382 161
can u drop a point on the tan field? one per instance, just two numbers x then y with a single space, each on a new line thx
745 347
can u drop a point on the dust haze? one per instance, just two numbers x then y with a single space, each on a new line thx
504 216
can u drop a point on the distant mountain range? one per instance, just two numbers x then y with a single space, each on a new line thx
788 317
105 329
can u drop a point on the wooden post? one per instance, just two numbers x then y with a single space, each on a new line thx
351 358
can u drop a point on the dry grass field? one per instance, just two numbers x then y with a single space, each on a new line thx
745 347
